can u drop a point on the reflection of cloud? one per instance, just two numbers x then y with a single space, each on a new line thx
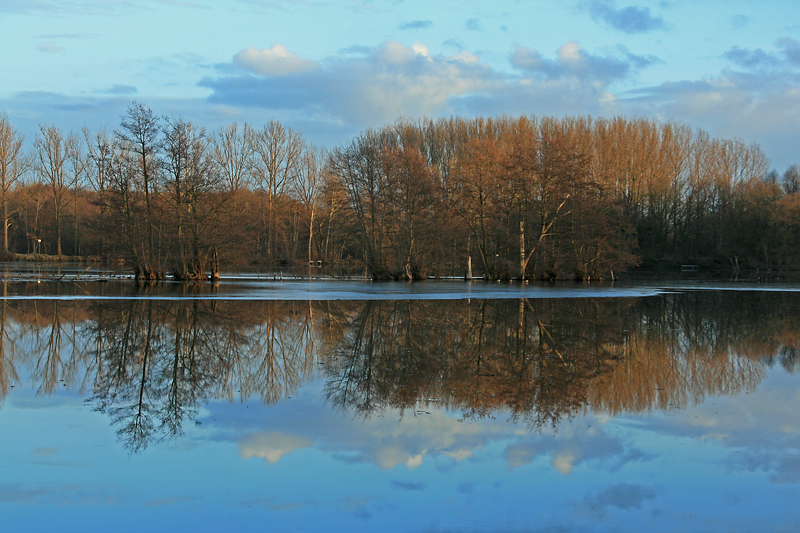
563 463
624 496
65 495
414 462
392 440
388 458
407 485
517 455
391 456
166 501
775 454
286 507
759 429
382 440
271 445
270 504
576 444
44 452
458 455
788 468
357 506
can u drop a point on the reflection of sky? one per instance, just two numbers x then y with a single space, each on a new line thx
730 463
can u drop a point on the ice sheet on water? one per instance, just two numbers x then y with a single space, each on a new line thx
80 283
321 290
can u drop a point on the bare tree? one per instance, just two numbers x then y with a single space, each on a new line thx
309 186
101 150
233 153
278 152
193 185
140 133
51 153
358 168
791 179
77 163
103 156
13 164
412 195
477 182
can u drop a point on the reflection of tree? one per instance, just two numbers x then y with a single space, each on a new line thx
531 357
50 365
164 358
543 360
151 363
128 338
685 347
8 371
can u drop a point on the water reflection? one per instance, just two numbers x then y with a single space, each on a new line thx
543 360
150 364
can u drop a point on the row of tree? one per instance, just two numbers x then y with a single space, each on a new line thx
532 198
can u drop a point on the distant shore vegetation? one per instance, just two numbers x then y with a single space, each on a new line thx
534 198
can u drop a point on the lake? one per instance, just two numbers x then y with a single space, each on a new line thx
260 405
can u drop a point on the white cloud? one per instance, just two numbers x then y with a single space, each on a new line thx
227 111
574 62
464 57
570 52
757 98
274 61
365 86
368 87
394 53
758 101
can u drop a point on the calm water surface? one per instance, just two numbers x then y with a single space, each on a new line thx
436 407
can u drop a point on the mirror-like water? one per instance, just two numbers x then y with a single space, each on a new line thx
399 407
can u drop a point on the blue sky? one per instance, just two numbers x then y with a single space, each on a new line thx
331 69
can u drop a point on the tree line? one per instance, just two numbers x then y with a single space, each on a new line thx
502 198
